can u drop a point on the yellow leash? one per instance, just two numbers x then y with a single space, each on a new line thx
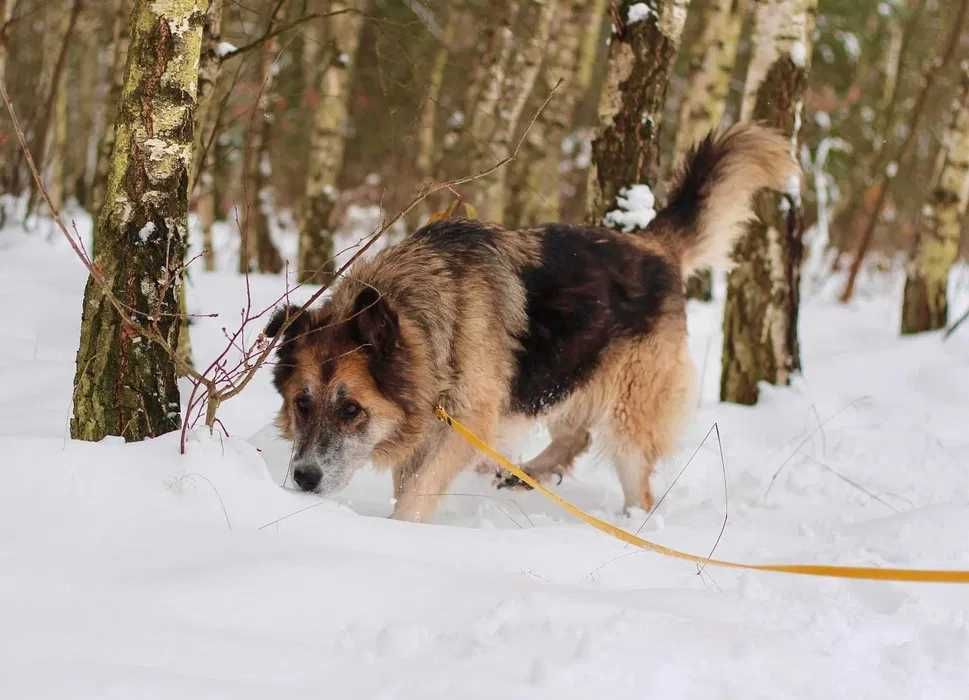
869 573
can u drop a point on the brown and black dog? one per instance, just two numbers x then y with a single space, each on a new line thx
582 328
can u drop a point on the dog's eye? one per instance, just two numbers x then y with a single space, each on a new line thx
303 404
349 410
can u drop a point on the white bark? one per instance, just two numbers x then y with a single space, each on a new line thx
781 27
708 81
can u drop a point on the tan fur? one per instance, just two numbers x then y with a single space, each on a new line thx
462 314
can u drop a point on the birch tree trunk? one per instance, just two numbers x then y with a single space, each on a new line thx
124 383
708 85
641 56
56 47
510 79
539 186
427 133
340 37
760 316
925 306
119 54
257 251
203 159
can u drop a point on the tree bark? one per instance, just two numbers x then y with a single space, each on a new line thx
708 80
119 55
427 133
204 161
760 316
925 306
340 35
495 120
539 186
641 57
257 251
125 383
60 44
914 118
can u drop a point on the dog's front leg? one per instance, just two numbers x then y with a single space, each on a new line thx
419 484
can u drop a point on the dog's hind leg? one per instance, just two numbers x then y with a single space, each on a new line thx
653 395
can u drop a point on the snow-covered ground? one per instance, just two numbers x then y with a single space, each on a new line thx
130 571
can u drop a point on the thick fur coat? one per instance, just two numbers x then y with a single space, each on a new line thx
583 328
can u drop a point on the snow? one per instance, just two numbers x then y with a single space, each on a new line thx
224 48
639 11
146 231
129 571
635 210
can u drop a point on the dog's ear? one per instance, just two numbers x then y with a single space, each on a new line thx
281 316
374 324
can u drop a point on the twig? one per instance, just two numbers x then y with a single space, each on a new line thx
271 33
959 321
218 495
808 438
854 484
726 490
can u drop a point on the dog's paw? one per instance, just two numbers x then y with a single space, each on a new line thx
504 480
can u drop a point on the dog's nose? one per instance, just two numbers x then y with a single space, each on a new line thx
307 478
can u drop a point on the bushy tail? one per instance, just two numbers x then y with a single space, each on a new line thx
711 200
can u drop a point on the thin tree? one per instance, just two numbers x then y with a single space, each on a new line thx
760 340
427 132
539 186
925 306
913 117
257 251
339 35
125 384
642 51
513 63
120 36
202 181
712 59
55 62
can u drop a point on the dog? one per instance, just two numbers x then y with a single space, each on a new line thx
583 328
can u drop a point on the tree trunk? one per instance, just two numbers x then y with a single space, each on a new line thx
57 151
125 383
257 251
119 55
641 56
760 316
204 157
209 70
426 136
56 51
708 85
539 187
496 116
340 35
925 307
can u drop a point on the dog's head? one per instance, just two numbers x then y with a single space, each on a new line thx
338 372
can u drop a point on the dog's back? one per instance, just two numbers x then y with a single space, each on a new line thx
582 326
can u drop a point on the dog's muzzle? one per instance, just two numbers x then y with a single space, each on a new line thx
307 476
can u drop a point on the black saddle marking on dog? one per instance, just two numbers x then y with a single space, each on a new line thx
590 287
